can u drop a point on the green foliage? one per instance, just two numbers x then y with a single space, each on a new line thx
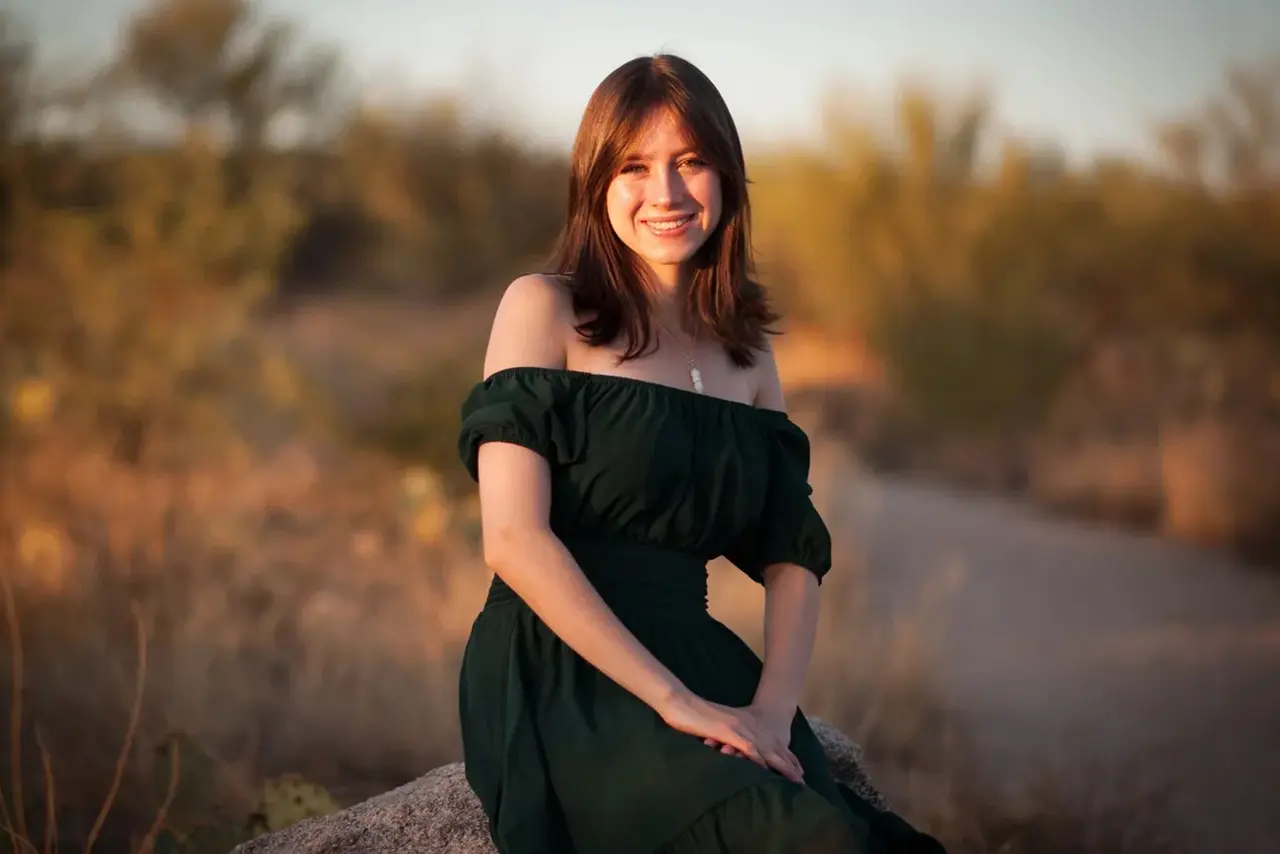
449 206
139 312
133 285
977 266
288 800
973 367
189 778
979 278
188 783
420 424
208 59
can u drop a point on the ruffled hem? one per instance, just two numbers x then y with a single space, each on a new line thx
772 819
779 818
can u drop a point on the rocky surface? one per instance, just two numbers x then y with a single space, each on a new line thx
439 814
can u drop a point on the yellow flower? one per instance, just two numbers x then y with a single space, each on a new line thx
40 549
421 483
280 381
32 401
431 522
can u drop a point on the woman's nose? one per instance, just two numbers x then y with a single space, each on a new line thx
666 186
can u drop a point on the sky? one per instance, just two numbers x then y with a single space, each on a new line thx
1094 75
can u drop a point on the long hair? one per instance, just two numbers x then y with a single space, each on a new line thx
604 276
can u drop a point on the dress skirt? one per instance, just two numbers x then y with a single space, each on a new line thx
565 761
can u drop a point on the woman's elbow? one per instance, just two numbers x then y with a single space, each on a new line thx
501 542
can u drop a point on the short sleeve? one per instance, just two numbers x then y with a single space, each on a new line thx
522 406
790 530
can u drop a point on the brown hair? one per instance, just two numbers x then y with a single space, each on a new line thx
604 276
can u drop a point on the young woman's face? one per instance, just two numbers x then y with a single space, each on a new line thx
665 201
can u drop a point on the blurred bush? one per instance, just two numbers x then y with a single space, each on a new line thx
1045 327
987 274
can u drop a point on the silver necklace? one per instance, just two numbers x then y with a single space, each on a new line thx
695 375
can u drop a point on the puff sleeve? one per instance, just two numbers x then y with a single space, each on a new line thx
524 407
790 529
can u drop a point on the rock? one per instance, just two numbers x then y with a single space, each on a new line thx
848 763
439 814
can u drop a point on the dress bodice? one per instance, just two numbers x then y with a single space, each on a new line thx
652 464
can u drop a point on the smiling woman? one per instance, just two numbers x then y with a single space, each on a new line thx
657 145
603 709
665 201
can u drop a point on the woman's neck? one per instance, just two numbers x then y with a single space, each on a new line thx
667 289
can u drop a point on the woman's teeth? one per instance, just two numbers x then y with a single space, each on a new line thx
670 224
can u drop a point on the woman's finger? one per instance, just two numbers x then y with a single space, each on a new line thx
726 749
785 767
748 750
775 747
780 757
792 761
780 761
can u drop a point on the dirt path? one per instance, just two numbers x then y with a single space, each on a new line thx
1087 648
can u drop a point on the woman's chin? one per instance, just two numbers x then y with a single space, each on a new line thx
670 255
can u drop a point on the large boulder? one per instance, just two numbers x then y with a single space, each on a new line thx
439 814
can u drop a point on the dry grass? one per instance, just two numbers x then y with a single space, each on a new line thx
299 620
296 622
13 805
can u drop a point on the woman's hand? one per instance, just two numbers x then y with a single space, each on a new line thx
747 731
775 722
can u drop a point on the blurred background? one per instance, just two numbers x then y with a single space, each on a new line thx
1029 255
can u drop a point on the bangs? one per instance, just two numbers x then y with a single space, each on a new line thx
635 111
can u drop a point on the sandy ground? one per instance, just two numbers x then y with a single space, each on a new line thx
1095 652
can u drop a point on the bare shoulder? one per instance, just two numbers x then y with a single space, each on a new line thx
767 380
531 325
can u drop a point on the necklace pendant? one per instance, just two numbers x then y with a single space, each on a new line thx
696 376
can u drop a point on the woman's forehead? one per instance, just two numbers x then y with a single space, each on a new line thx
662 133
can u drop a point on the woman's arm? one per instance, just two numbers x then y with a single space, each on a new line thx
790 626
791 603
529 329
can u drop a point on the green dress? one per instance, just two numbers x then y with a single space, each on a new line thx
648 484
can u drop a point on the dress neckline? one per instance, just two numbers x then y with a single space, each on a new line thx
636 382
